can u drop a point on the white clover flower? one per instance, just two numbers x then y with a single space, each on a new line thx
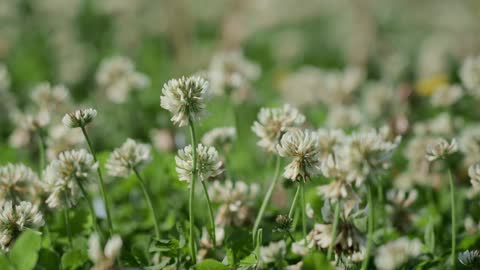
79 118
4 78
236 201
470 75
275 251
184 98
344 116
302 146
272 123
61 138
441 149
117 76
402 198
104 258
469 144
397 252
62 174
446 95
209 165
470 258
474 174
129 156
336 190
50 97
18 181
329 140
220 137
15 218
300 88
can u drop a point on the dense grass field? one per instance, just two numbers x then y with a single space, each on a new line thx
239 134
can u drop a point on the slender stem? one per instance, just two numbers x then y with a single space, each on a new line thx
192 190
334 233
149 202
294 202
41 151
90 207
210 212
67 221
267 197
454 227
381 214
371 218
100 181
291 236
303 206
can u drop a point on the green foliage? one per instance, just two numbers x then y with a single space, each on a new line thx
210 264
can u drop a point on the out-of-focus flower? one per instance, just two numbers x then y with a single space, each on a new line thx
18 181
471 227
441 149
61 176
446 95
221 137
275 251
474 173
236 199
117 77
329 140
378 98
206 242
344 116
61 138
470 75
79 118
184 98
162 139
397 252
338 86
131 155
470 258
469 144
4 79
209 165
301 87
15 218
302 146
272 123
104 258
50 97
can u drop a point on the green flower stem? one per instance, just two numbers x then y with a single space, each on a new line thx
454 223
192 191
90 208
149 202
100 181
334 232
294 202
303 205
267 197
382 215
41 151
67 221
371 220
210 212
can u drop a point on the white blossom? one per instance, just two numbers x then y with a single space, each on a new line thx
184 98
209 165
470 75
104 258
4 78
79 118
131 155
474 174
275 251
441 149
19 181
220 137
446 95
397 252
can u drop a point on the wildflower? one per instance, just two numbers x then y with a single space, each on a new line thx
302 146
50 97
131 155
61 138
104 259
284 223
79 118
441 149
398 208
209 165
272 123
470 258
118 77
220 137
14 218
470 74
62 174
18 181
446 95
184 98
474 174
275 251
236 201
329 141
395 253
162 139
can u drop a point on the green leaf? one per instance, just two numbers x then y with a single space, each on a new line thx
48 260
74 259
210 264
315 261
430 237
24 254
5 263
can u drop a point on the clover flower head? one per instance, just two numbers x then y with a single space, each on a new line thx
470 258
104 258
184 98
79 118
209 165
272 123
19 180
50 97
474 174
273 252
14 218
220 137
470 74
441 149
397 252
129 156
302 146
